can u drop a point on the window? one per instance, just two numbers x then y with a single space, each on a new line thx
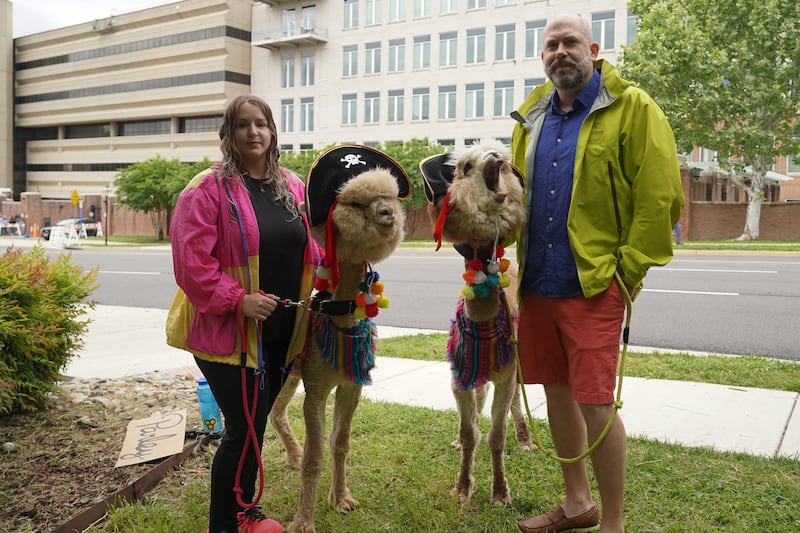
307 69
603 29
308 18
395 106
503 98
793 163
287 71
534 38
348 109
475 4
287 148
372 58
143 127
288 18
305 147
372 107
422 8
447 102
196 124
447 143
448 49
397 55
504 42
476 46
287 116
421 104
447 6
374 8
307 114
349 61
397 10
505 2
474 101
422 52
631 28
530 84
350 14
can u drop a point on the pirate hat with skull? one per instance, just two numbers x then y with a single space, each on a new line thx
336 166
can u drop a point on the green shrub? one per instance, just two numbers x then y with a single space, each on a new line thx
41 302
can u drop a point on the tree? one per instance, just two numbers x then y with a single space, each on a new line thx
152 186
727 75
408 154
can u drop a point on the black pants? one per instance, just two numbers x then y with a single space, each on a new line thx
226 383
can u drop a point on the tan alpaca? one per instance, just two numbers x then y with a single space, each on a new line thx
476 199
368 222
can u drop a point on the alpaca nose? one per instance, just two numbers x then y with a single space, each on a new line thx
385 214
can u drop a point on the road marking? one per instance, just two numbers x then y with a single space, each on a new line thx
130 272
708 293
722 270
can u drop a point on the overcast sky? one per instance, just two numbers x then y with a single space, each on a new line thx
34 16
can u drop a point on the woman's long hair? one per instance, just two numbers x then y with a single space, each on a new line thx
232 159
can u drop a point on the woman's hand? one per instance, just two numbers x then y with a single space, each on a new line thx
259 305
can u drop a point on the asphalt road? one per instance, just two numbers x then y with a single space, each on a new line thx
731 303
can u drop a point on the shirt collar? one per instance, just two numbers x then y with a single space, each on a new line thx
584 98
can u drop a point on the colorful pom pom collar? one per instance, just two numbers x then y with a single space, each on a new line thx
369 298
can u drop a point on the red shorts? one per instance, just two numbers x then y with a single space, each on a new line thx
573 341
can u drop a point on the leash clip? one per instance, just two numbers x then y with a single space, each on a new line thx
304 304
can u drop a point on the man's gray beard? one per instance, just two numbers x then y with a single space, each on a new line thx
572 80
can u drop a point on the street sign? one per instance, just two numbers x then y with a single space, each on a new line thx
75 197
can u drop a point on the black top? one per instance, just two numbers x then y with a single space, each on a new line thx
280 255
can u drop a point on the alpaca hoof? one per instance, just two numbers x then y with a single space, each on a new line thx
502 500
528 446
456 444
300 527
344 503
463 494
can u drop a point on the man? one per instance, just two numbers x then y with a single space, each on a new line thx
603 192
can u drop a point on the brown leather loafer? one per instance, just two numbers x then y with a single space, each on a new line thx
556 521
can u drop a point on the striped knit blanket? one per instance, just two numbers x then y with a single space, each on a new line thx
350 352
475 349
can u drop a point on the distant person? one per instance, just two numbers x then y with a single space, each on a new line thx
603 192
676 231
239 243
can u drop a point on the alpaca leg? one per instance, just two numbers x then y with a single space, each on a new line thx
347 398
313 456
480 401
279 418
503 394
469 436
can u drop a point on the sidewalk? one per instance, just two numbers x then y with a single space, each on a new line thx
124 340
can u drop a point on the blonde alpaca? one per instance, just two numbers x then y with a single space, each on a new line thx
476 198
368 221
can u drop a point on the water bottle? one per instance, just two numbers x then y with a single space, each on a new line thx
209 410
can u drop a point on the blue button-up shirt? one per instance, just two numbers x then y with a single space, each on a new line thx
550 268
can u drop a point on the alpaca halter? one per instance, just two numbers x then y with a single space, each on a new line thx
479 279
370 296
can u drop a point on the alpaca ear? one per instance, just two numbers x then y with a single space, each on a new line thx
338 165
438 172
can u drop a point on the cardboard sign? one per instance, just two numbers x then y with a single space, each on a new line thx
153 438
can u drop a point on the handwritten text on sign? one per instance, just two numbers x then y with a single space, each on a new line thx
153 438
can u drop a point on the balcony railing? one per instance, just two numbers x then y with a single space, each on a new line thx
306 35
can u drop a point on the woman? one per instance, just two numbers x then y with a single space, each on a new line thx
239 243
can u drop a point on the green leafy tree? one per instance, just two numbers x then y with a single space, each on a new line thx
408 154
153 186
727 74
299 162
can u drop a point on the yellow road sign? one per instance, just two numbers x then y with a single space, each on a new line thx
75 197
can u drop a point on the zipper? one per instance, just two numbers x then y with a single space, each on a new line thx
616 204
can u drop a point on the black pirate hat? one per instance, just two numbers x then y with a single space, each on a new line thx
336 166
438 171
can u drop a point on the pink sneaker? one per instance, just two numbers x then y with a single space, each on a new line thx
253 521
